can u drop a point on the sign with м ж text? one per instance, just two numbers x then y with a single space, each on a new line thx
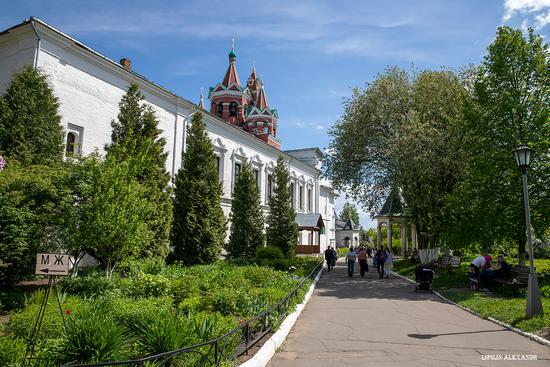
52 264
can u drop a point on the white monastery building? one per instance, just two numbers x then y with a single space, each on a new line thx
241 124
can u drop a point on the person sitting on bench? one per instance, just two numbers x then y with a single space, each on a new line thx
477 264
501 270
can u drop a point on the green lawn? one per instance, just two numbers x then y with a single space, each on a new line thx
499 304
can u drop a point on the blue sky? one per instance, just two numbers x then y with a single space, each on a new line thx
309 53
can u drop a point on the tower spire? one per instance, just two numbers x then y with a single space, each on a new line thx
232 55
201 101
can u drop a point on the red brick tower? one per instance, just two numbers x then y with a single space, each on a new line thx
228 99
247 107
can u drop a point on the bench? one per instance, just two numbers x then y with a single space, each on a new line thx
454 263
519 276
443 263
449 262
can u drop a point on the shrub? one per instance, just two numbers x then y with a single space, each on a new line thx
192 304
163 332
90 285
268 253
131 268
94 336
128 311
541 250
147 285
22 322
12 351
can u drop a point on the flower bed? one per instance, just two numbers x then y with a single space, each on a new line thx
147 311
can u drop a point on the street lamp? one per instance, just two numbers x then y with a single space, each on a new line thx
534 305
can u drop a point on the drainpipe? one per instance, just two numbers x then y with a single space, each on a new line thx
175 142
38 40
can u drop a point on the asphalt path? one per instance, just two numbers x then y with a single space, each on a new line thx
383 322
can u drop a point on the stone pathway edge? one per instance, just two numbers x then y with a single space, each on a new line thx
267 351
526 334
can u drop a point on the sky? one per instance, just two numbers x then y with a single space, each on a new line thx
310 54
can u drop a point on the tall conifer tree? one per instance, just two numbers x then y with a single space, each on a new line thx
247 220
198 231
135 134
30 129
282 230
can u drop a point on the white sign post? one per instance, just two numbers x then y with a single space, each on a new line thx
52 264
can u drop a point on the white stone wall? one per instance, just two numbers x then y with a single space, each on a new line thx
89 96
15 52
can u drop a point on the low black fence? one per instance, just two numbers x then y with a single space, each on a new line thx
225 348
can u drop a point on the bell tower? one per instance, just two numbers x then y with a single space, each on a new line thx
228 98
245 107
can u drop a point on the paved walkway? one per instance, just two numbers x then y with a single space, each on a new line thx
382 322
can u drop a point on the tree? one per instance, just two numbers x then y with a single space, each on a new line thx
349 211
113 207
198 230
401 136
282 229
427 154
247 220
136 133
30 129
358 161
36 204
510 107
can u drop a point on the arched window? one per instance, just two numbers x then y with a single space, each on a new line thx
71 144
233 107
220 109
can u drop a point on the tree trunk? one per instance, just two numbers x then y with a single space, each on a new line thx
521 251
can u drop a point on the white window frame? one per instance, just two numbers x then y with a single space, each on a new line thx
79 132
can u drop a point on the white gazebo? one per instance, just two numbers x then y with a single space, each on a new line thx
392 212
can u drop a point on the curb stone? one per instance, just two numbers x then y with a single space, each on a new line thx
526 334
267 351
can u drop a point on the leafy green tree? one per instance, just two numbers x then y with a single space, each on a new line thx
30 129
427 154
401 134
349 211
282 229
198 231
136 133
113 207
510 107
247 220
358 161
36 204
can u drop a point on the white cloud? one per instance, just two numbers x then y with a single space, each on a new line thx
542 20
540 9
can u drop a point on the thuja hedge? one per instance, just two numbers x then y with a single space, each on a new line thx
145 310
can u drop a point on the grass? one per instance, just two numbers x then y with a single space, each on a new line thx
499 304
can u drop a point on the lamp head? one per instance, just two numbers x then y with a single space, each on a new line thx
523 157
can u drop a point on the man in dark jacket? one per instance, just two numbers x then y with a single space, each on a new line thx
328 257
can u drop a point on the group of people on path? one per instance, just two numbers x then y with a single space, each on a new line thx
330 256
382 259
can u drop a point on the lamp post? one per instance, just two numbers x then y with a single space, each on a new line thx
534 305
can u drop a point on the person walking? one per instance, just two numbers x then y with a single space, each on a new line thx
380 260
362 257
388 263
328 257
334 257
350 258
